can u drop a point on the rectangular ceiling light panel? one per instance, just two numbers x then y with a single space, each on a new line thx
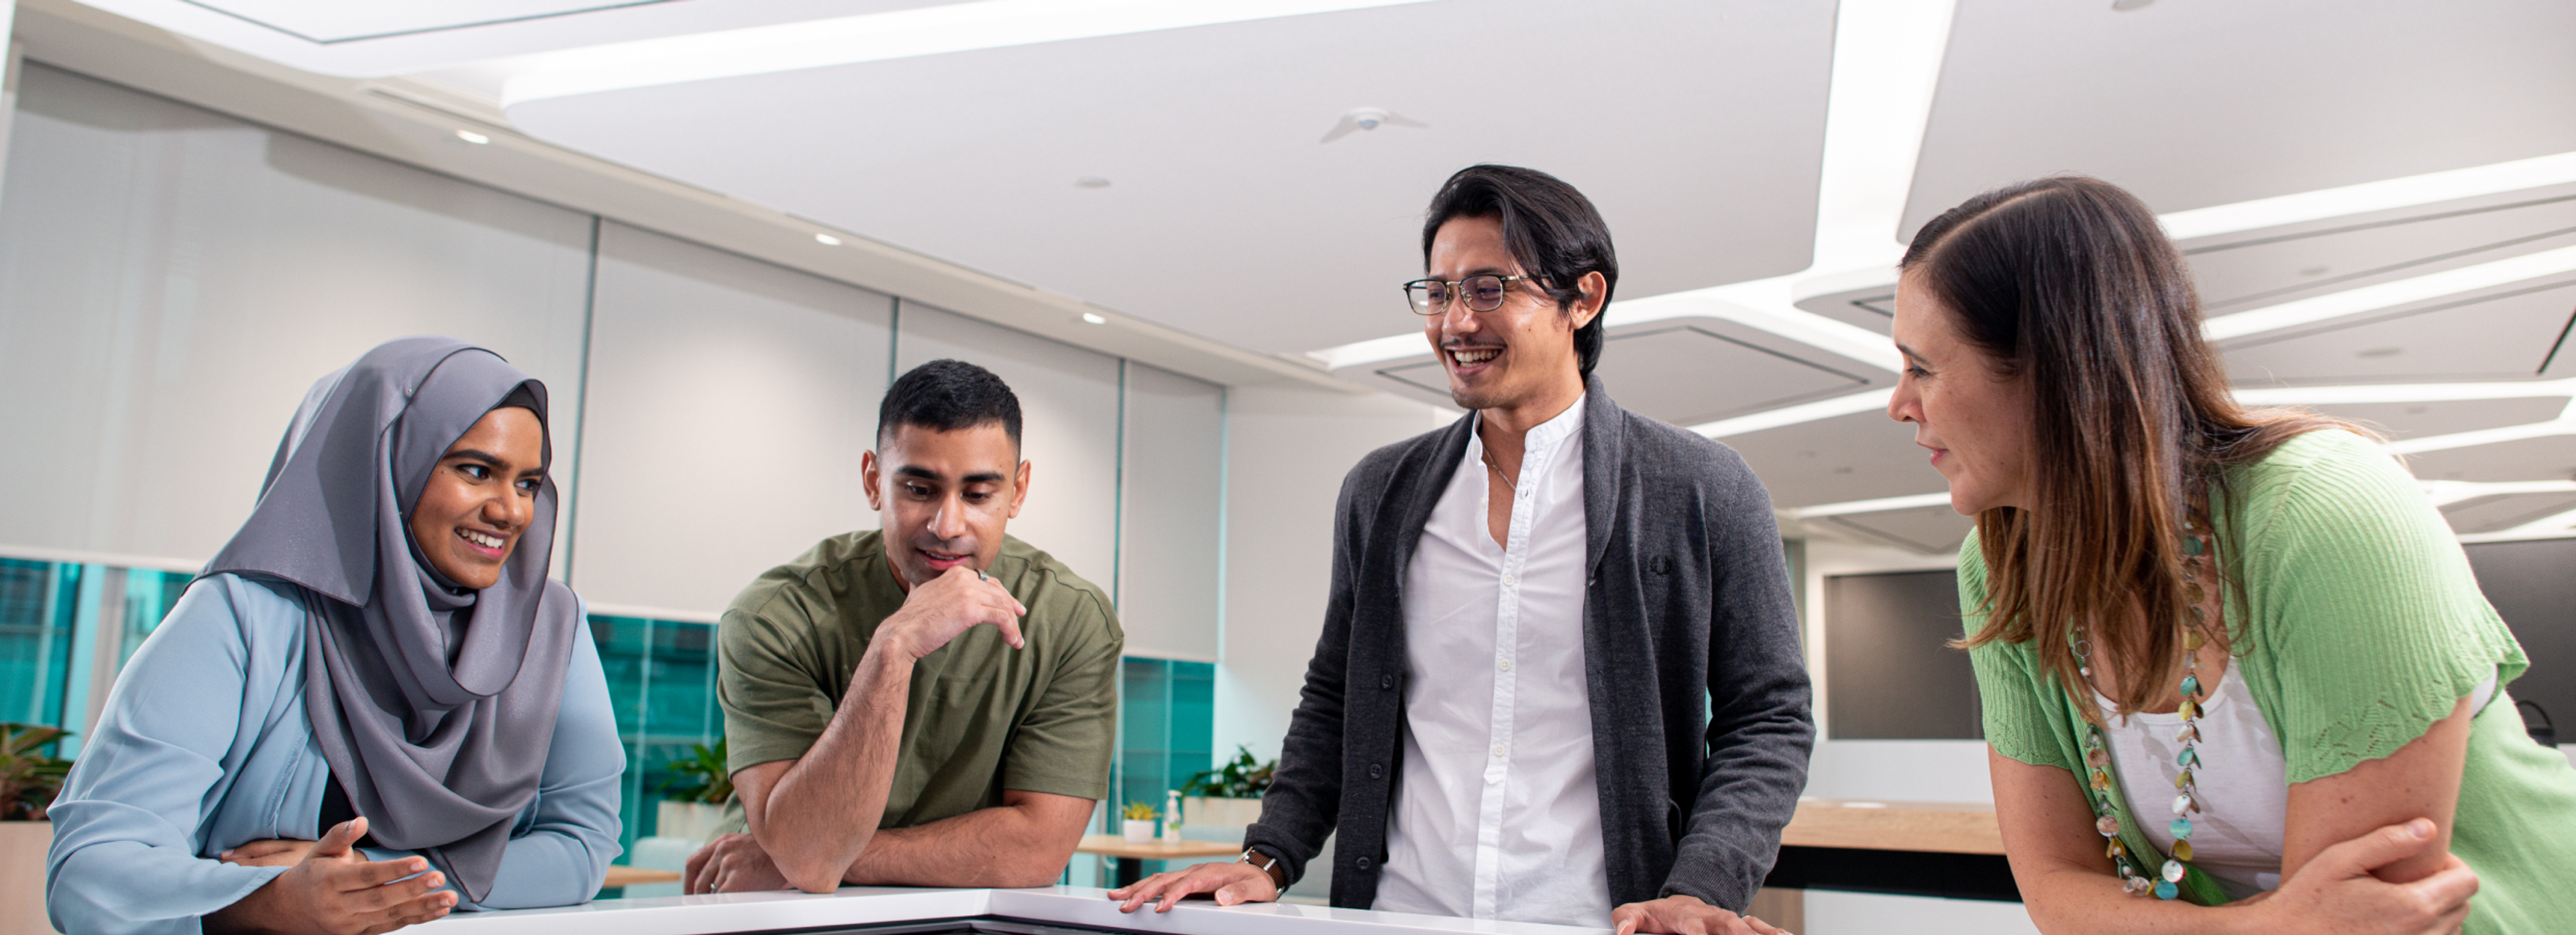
2278 264
2392 294
958 27
2504 334
341 21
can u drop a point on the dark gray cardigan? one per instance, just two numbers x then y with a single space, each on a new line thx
1700 723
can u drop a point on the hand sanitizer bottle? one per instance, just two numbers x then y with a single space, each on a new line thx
1172 815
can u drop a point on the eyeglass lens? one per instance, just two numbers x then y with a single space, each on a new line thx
1483 293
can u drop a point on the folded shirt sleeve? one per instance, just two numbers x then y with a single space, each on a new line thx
2363 598
124 858
2023 710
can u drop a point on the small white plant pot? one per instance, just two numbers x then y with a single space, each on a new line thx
1138 830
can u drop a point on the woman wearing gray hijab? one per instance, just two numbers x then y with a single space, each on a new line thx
373 706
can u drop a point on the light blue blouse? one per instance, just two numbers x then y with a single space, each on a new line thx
204 746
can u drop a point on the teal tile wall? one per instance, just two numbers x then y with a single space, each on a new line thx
662 685
50 619
1167 722
37 604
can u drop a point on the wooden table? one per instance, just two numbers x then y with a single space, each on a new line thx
1132 857
620 876
1932 827
1915 848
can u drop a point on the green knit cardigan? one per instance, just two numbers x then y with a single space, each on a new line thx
2364 626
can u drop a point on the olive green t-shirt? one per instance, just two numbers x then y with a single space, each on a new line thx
982 717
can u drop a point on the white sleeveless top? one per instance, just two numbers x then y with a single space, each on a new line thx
2244 800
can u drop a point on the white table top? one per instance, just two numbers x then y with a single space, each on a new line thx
1071 905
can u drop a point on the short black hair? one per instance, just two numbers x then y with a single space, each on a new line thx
947 395
1550 228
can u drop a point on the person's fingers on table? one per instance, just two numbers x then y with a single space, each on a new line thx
374 873
428 908
1142 891
1196 880
1760 927
399 892
1623 920
693 874
1245 891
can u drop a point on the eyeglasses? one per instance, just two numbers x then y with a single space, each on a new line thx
1483 293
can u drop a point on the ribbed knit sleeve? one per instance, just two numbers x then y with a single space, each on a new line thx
2361 597
2022 719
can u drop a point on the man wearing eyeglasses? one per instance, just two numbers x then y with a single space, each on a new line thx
1560 678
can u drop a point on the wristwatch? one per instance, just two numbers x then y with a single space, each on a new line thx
1266 864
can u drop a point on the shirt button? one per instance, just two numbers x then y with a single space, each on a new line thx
1386 681
1498 749
1511 581
1365 863
1377 771
1506 665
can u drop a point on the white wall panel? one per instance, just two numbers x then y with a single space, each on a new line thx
1069 430
1287 450
1168 533
730 401
171 281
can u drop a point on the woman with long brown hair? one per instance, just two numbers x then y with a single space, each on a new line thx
2235 670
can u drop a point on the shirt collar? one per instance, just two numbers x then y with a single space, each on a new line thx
1547 434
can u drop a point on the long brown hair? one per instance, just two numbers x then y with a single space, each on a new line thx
2069 283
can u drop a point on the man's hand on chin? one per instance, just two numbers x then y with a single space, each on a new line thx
1685 915
732 863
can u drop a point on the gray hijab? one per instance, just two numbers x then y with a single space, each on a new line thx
433 705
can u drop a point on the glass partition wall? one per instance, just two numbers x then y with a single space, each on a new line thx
66 628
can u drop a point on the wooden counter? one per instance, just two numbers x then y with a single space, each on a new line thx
1929 827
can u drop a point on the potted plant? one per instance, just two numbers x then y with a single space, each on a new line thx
693 798
29 777
1229 795
1139 825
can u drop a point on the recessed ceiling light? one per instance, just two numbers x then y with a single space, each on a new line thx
1091 181
2127 5
827 240
472 137
1089 318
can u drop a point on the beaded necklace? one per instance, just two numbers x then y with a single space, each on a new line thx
2167 881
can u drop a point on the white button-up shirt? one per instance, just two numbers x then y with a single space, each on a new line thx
1498 815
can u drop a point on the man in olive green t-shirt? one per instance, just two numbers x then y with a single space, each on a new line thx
927 704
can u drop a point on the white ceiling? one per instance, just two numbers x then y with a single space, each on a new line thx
2332 167
2193 103
1695 127
377 38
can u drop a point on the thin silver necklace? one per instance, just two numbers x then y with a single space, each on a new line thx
1498 472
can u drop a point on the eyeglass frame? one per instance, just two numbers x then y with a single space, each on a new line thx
1455 291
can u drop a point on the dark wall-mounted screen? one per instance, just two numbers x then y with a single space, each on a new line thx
1889 671
2533 587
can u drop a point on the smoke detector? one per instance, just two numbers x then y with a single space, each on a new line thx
1369 118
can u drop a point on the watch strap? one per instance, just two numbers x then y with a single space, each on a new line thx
1268 864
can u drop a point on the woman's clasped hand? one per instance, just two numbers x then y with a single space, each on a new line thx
2337 893
333 889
